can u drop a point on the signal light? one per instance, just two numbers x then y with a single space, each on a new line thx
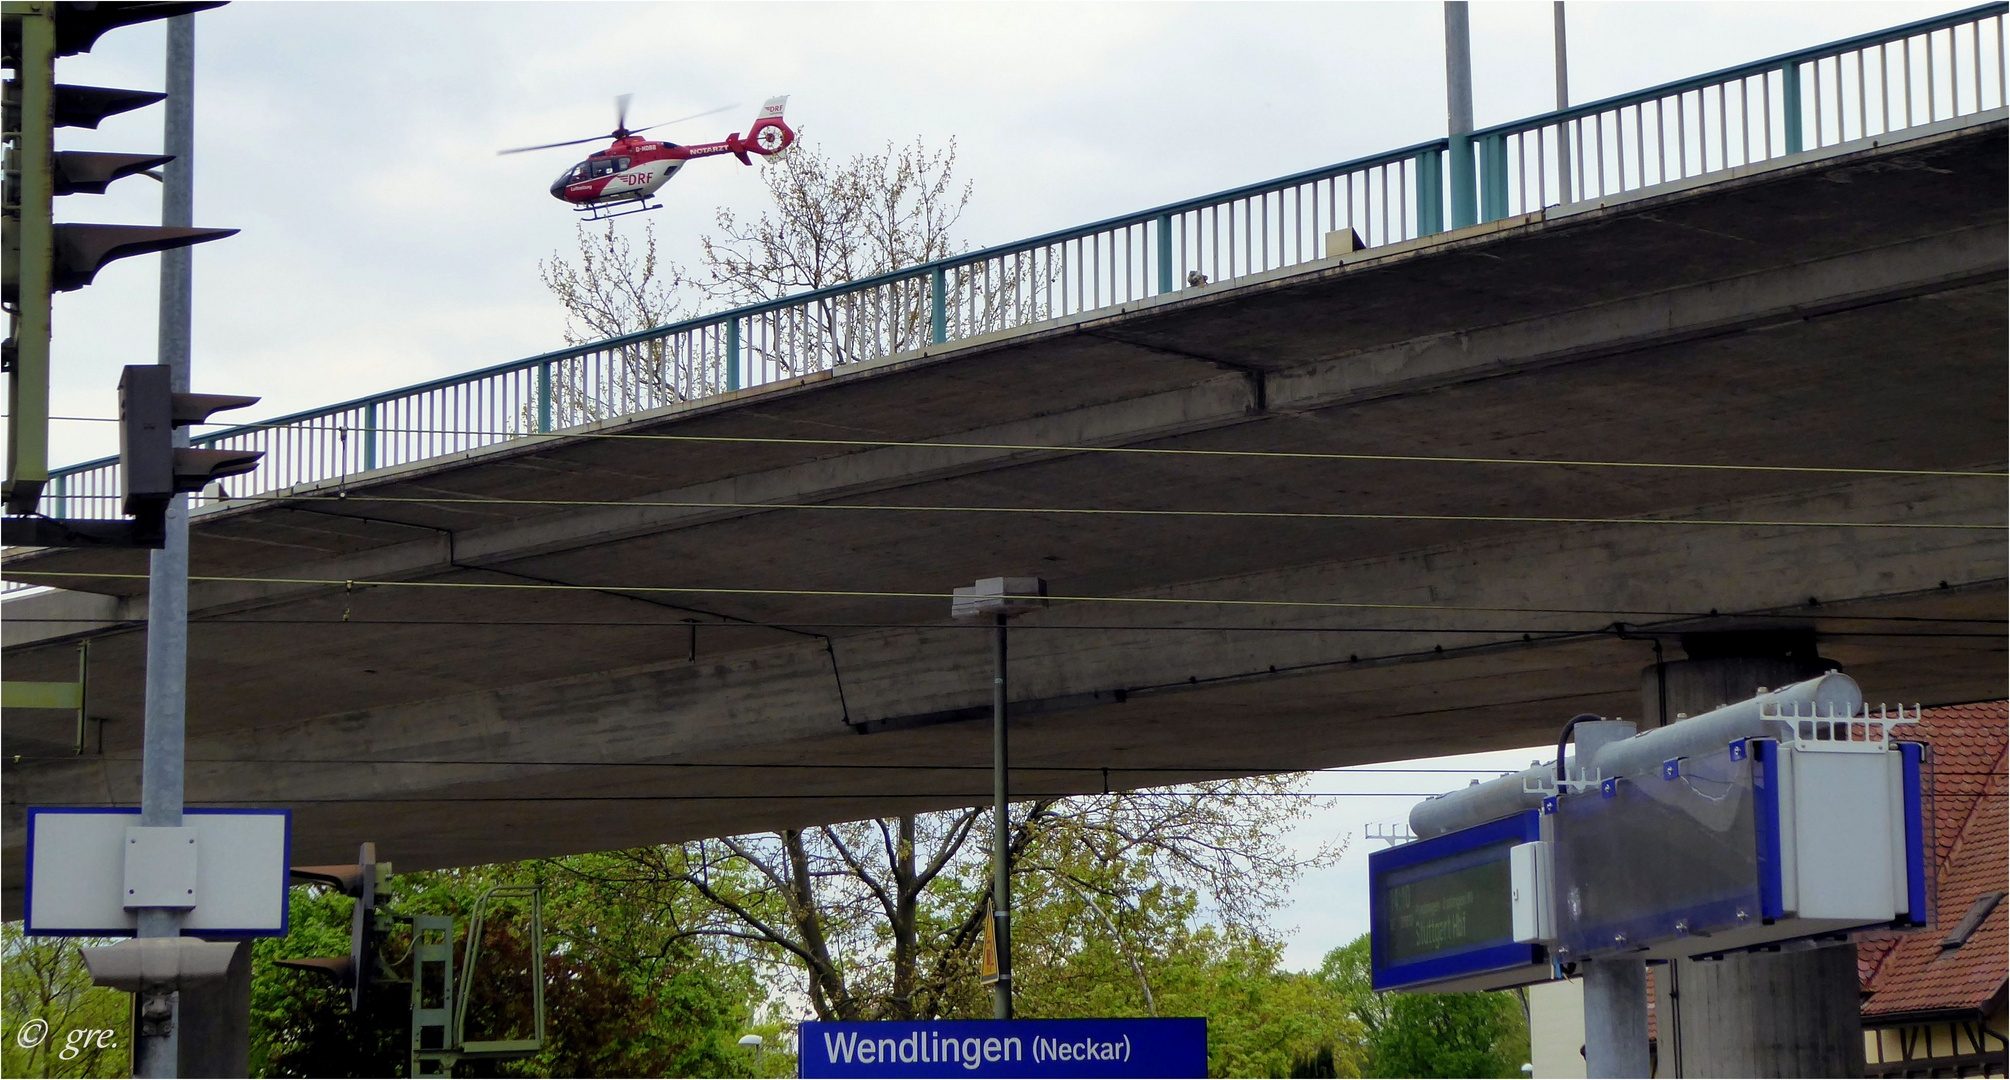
82 250
41 257
80 25
362 880
80 173
154 469
88 106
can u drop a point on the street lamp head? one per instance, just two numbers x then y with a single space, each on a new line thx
999 596
752 1042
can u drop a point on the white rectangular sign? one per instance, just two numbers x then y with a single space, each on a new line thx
77 868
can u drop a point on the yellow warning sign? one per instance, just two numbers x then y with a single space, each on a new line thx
987 971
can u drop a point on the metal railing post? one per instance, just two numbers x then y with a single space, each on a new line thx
732 355
369 436
1465 195
1493 177
544 397
1790 102
1165 254
59 482
1430 193
938 307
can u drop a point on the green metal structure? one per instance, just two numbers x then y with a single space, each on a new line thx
30 253
440 1002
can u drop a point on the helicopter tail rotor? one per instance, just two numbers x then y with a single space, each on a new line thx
770 134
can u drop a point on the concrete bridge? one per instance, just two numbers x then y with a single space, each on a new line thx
582 641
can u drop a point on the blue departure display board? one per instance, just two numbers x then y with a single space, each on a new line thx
1440 912
988 1048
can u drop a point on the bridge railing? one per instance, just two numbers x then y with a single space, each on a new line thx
1225 237
1905 77
1876 84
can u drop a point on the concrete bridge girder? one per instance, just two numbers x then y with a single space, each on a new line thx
1814 315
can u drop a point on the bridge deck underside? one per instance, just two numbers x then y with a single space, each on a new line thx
1846 313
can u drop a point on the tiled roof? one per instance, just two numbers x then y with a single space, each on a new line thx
1913 973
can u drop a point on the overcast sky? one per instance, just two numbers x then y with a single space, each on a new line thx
385 243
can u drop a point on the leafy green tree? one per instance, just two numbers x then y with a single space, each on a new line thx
1428 1034
44 979
882 919
621 1000
1448 1035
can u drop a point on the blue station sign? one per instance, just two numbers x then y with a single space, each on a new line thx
987 1048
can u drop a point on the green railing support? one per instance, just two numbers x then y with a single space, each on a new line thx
369 436
1790 102
1465 196
732 354
544 396
432 980
1430 193
1165 254
938 306
1493 177
60 485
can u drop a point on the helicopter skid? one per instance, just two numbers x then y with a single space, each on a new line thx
604 209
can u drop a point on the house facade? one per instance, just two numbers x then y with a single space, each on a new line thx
1934 1001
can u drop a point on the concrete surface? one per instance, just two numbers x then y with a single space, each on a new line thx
1842 312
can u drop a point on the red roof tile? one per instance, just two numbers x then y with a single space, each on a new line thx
1971 834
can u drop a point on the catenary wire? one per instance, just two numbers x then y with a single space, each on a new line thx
868 594
1079 449
686 624
840 796
1301 515
1214 773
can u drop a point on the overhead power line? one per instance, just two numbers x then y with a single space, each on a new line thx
1302 515
1064 448
1017 796
687 624
1211 773
866 594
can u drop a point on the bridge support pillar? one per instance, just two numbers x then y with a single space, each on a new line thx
1790 1013
215 1021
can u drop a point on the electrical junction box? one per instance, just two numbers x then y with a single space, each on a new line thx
1813 834
1532 890
1442 912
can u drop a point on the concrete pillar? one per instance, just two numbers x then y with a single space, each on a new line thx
215 1023
1615 1019
1790 1013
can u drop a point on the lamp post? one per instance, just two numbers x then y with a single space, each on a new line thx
751 1041
1000 598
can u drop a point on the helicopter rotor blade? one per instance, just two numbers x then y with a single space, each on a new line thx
548 146
681 119
621 111
621 106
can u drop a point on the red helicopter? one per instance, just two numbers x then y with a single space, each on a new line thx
620 179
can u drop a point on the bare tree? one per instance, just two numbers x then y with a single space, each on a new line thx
834 222
831 222
882 918
614 291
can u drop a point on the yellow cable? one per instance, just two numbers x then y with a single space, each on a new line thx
1270 514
